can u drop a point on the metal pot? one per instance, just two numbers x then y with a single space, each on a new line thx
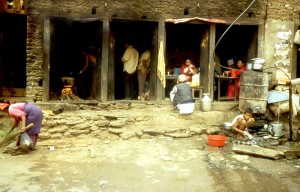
227 125
276 129
68 80
258 64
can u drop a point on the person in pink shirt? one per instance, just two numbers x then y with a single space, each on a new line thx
25 113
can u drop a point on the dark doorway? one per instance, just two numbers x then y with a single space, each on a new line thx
70 40
240 41
13 34
142 36
182 41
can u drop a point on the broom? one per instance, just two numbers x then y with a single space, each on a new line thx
9 136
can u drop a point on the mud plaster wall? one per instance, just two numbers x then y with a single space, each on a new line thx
282 17
279 43
38 10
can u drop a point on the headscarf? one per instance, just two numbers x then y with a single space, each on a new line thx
3 106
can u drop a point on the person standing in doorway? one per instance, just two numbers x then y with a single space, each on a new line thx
143 71
87 75
130 61
236 73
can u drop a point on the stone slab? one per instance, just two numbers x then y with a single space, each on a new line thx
258 151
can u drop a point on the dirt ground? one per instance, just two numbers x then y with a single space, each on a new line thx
148 165
151 164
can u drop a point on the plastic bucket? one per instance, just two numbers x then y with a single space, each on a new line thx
216 140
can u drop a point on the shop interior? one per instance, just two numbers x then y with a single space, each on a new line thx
240 41
13 33
142 35
69 39
182 41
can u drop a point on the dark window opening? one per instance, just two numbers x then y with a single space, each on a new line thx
13 34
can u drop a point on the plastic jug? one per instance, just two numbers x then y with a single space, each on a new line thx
206 102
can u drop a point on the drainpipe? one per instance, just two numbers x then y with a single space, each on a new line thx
290 114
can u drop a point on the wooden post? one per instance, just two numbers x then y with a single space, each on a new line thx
211 61
46 65
105 75
160 90
290 114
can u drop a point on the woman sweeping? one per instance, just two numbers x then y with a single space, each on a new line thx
25 113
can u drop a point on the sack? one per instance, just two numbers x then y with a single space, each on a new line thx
25 141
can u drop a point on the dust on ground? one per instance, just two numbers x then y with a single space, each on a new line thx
148 165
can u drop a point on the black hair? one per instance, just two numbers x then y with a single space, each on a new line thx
242 59
5 101
248 110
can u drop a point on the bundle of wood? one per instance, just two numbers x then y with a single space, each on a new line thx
10 136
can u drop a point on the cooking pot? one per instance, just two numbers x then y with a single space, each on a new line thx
227 125
258 64
276 129
68 80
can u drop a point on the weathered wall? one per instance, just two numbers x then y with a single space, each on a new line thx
279 43
282 19
285 10
211 8
38 10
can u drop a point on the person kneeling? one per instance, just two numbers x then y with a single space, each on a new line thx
181 96
241 123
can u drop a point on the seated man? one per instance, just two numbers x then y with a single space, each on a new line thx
241 123
181 96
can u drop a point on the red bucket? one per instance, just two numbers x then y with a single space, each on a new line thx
216 140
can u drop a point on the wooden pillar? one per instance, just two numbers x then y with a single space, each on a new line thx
46 61
160 90
105 75
212 46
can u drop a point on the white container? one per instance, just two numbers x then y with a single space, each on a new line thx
206 102
249 66
258 64
227 125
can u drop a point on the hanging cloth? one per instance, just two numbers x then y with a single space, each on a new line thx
161 66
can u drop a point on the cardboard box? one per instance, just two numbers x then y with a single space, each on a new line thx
280 77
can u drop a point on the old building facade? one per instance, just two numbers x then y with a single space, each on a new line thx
58 30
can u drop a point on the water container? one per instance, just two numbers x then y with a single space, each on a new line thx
254 91
206 102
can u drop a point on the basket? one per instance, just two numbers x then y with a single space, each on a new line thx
216 140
